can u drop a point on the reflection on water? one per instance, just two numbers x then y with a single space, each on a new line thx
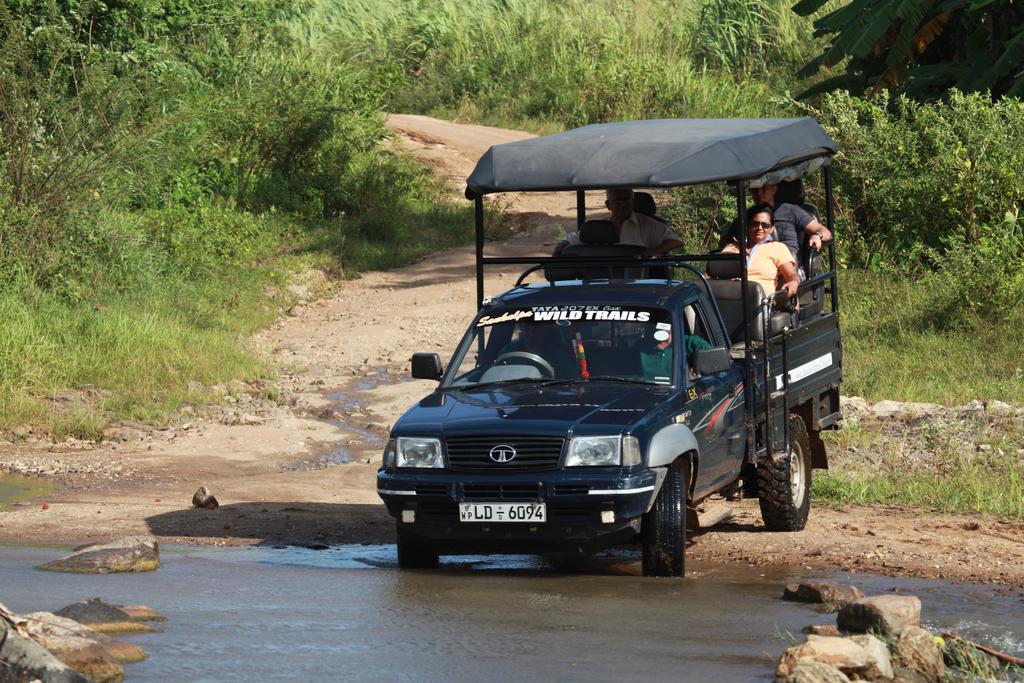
347 613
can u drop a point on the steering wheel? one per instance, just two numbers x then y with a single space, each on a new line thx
533 359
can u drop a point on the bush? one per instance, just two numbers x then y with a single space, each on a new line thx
985 279
162 163
916 181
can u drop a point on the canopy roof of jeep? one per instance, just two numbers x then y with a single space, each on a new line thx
652 154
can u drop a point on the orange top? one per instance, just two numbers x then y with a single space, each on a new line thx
764 262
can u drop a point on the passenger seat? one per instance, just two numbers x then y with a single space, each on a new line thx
728 293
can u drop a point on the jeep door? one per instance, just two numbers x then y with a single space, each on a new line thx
715 402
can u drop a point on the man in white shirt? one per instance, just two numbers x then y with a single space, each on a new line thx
633 228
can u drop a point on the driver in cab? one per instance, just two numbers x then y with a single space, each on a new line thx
657 362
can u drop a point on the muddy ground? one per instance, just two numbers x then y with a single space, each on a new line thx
293 460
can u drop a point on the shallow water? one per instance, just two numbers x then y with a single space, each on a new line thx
14 489
347 400
347 613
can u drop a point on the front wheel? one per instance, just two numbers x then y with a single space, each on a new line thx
664 527
415 554
784 487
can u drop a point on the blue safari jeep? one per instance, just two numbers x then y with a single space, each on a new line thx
603 403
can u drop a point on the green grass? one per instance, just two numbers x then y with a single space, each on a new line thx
936 466
995 488
173 321
898 346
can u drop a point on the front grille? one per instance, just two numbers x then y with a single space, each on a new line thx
502 491
532 452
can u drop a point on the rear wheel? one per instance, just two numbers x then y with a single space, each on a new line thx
664 527
413 553
784 487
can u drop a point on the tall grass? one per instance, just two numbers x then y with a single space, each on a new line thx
902 342
569 63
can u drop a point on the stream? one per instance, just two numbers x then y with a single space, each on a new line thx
348 613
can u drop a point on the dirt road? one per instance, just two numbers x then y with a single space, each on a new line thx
268 470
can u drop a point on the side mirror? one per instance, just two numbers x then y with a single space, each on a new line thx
711 361
427 366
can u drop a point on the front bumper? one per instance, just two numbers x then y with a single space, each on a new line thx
575 503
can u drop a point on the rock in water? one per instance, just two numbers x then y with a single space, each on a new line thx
833 595
103 617
121 651
917 650
812 671
879 653
142 613
888 615
24 659
131 554
203 498
841 653
70 642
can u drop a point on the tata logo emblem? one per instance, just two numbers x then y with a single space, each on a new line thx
503 453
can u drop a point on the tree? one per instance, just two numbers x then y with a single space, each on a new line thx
920 47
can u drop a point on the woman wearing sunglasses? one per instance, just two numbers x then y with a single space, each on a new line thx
769 263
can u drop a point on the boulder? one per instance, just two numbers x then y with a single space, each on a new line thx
103 617
121 651
833 595
841 653
852 405
142 613
917 650
888 409
974 409
813 671
925 412
1000 409
887 615
24 659
878 652
204 498
130 554
71 643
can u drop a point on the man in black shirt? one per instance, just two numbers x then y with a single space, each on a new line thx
791 222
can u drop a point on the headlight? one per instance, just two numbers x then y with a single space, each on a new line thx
418 452
594 451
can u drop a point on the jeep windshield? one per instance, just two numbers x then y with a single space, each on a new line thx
566 344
